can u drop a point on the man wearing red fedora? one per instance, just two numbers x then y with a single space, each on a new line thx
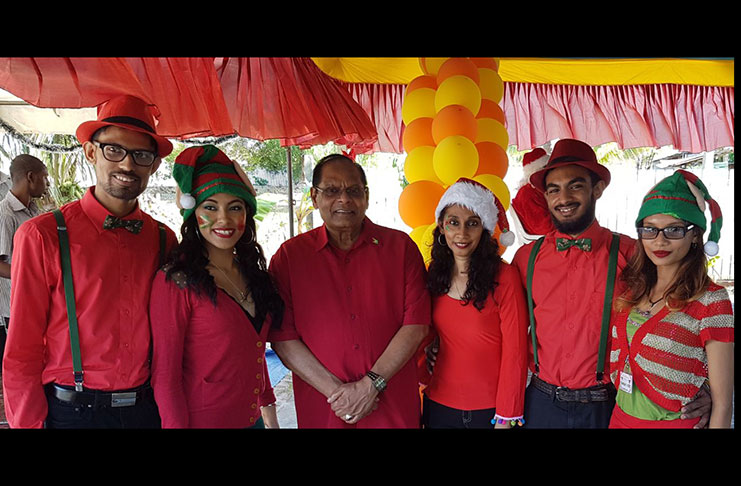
79 356
568 273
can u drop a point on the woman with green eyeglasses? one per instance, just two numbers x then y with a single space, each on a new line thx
672 332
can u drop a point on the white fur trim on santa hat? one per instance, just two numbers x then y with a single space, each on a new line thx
531 168
474 197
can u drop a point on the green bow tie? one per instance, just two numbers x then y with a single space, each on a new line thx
132 225
563 244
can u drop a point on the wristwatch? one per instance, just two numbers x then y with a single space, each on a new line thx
379 382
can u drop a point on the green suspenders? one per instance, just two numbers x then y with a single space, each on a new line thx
69 292
606 306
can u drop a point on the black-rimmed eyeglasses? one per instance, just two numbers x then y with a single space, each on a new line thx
670 232
116 153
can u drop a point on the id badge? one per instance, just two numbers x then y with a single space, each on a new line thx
626 382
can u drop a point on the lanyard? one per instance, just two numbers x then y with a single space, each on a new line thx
69 292
606 306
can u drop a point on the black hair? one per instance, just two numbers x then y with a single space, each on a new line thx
483 268
562 161
191 258
23 164
316 176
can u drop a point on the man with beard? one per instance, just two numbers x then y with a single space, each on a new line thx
568 277
77 355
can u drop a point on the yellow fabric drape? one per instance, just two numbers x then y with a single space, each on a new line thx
576 71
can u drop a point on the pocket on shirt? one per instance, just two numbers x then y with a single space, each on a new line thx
219 394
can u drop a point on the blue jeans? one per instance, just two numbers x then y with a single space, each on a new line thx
143 415
544 412
438 416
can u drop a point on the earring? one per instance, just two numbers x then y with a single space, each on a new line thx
252 236
442 243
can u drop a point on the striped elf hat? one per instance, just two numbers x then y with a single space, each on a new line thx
205 170
684 196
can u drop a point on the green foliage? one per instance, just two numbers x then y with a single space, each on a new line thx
263 208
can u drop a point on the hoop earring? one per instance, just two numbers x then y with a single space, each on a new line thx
252 236
442 243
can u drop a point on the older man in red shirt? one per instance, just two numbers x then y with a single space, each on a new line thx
568 292
356 310
114 250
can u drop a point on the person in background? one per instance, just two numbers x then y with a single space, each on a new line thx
29 179
356 310
213 304
529 203
479 316
673 332
89 367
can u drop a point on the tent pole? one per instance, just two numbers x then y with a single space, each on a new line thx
290 192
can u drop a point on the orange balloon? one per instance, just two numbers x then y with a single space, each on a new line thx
495 236
418 201
485 62
430 65
417 134
492 159
490 109
454 120
424 81
458 66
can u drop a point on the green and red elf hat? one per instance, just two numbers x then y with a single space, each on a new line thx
205 170
684 196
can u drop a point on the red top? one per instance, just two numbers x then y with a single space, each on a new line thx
112 272
346 306
208 365
482 362
568 294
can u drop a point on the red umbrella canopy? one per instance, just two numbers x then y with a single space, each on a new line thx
289 99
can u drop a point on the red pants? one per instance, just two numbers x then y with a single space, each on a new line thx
621 420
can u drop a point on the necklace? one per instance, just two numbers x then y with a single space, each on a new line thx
242 296
647 312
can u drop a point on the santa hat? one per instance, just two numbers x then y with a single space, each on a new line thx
479 199
684 196
532 162
205 170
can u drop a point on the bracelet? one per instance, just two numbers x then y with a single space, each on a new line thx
268 405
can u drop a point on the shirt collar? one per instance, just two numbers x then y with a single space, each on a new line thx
368 234
16 204
97 212
594 232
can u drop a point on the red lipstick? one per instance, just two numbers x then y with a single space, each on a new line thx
661 253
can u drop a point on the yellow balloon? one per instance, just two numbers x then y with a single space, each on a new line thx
417 233
431 65
420 103
491 130
458 90
454 157
425 244
491 85
418 165
496 185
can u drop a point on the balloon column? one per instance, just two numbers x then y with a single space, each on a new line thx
454 128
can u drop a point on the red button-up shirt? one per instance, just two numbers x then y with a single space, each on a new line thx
346 306
112 272
568 296
208 366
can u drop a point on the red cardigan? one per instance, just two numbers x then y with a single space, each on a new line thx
667 355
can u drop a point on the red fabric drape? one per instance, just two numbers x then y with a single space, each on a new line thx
690 118
382 103
289 99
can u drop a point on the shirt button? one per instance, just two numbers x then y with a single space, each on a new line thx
356 346
259 360
258 376
252 420
254 406
352 316
349 288
257 391
259 344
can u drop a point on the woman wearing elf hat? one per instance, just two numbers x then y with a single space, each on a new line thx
673 331
213 304
479 316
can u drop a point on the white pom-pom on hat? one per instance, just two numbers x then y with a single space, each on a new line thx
187 201
507 238
711 248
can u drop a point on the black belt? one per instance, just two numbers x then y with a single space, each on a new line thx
598 393
95 398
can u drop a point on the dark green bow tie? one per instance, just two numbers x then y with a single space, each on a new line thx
133 225
563 244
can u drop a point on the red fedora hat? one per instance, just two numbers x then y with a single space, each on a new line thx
571 152
128 112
